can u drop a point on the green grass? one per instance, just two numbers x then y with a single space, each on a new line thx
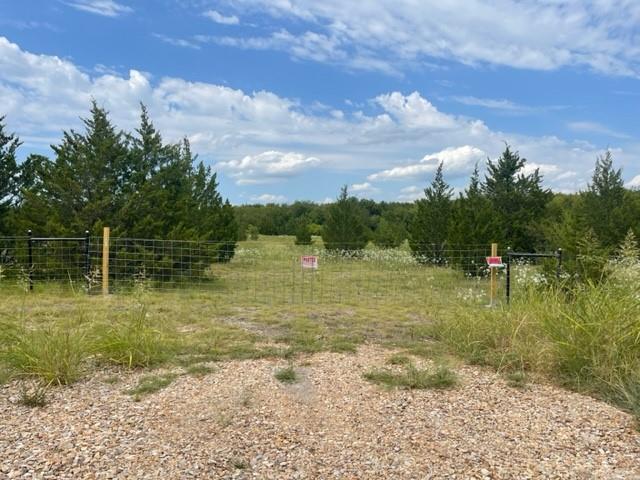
55 353
262 304
151 383
199 370
136 340
286 375
413 378
399 359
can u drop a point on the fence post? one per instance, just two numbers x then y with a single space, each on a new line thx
508 289
30 254
87 261
105 261
494 275
559 268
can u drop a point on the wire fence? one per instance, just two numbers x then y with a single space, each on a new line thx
269 270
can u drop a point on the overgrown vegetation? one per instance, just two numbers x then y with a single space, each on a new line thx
151 383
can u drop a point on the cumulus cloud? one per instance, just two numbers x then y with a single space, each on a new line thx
267 166
410 193
106 8
460 159
260 137
222 19
634 182
541 35
269 198
363 189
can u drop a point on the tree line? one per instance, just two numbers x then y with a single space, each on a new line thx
142 187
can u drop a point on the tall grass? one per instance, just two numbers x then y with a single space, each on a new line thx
134 340
56 353
586 336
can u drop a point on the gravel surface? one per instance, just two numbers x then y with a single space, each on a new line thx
240 422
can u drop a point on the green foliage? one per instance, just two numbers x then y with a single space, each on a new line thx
414 378
303 232
151 383
252 232
517 200
9 175
345 228
134 183
286 375
429 228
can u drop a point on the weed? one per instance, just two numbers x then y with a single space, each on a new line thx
239 463
287 375
398 359
33 395
199 370
151 384
414 378
517 379
111 380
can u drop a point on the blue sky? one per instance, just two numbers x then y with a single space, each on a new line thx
290 99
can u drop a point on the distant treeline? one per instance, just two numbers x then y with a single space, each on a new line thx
506 206
142 187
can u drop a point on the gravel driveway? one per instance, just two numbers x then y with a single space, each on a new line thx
240 422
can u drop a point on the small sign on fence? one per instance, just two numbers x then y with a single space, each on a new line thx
309 261
495 262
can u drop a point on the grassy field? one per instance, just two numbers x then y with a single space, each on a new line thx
264 305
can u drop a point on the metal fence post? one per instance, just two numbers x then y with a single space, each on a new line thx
87 261
30 259
508 289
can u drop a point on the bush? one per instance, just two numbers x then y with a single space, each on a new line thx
303 234
252 232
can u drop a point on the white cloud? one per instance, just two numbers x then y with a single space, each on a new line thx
177 42
532 34
363 189
222 19
269 198
258 137
410 193
106 8
634 182
267 166
458 160
595 127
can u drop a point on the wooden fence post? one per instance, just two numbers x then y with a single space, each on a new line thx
105 261
494 274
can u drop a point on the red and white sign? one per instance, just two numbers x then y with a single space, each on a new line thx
309 261
495 262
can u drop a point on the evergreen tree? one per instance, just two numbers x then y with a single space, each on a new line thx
429 228
303 232
9 176
517 200
345 228
604 203
87 182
